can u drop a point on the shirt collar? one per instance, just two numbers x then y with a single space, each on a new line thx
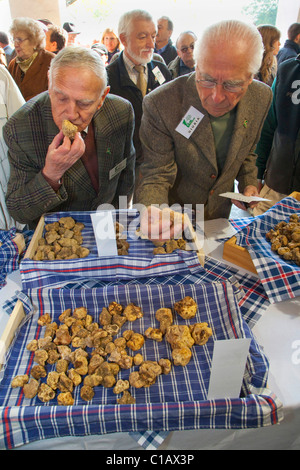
159 51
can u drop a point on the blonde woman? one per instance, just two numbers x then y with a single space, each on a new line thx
111 42
271 40
30 66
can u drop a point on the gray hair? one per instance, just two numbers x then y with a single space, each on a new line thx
126 20
79 57
32 28
232 33
184 33
170 26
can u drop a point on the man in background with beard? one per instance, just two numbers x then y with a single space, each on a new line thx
134 74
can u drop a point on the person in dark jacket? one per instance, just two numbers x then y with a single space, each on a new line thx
8 50
137 33
278 150
163 42
291 46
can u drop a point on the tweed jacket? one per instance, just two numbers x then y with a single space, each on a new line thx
28 135
122 85
35 80
184 171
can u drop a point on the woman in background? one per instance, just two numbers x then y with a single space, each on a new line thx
111 42
30 66
271 40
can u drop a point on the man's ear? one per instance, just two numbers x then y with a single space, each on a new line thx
123 39
104 94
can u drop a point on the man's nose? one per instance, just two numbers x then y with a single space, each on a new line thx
72 111
218 93
151 42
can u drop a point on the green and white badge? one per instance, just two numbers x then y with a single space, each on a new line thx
189 122
158 75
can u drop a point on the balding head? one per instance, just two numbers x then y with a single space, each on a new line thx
185 45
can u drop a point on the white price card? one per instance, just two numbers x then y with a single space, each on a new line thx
242 198
105 235
218 229
228 367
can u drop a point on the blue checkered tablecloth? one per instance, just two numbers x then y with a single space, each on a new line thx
139 263
280 278
9 254
176 402
248 289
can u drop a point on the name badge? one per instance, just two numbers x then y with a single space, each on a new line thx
158 75
189 122
117 169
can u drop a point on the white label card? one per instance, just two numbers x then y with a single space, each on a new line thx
228 367
158 75
242 198
105 235
118 168
189 122
218 228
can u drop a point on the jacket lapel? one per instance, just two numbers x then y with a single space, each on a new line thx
202 137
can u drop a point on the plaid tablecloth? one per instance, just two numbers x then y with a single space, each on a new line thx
248 289
139 263
280 279
9 254
176 402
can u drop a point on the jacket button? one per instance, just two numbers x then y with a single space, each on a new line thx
212 192
213 176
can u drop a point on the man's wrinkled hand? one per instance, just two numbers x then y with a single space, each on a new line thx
249 191
62 154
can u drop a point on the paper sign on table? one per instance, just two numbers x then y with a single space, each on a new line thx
218 228
228 367
105 234
242 198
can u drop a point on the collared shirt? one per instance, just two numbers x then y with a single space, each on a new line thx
133 74
184 69
160 51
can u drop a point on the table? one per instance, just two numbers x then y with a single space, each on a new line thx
278 331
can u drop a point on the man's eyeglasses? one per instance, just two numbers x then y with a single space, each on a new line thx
185 49
19 41
228 86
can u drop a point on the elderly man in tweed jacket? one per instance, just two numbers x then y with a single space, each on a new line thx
49 172
199 131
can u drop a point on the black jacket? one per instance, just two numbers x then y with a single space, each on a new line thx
283 166
170 52
289 50
121 84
